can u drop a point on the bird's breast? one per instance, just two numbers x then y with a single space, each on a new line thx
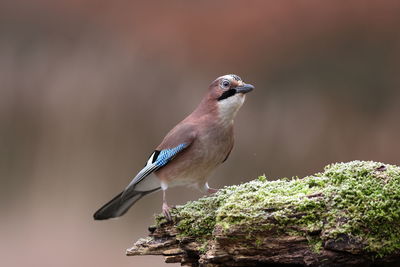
210 148
216 141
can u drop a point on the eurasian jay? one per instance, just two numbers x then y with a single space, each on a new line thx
190 151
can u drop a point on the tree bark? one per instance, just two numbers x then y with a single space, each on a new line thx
348 215
235 248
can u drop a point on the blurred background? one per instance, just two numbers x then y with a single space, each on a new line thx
89 88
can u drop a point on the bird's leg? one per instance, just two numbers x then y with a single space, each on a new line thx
165 208
209 190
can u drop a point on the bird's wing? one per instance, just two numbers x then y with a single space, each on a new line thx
227 155
176 141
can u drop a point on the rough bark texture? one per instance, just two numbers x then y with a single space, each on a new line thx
327 230
235 248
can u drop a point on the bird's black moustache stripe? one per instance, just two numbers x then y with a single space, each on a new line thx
227 94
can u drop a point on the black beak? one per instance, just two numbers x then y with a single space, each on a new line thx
245 88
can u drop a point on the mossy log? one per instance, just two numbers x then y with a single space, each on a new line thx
347 215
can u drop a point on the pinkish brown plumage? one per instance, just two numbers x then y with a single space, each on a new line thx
190 151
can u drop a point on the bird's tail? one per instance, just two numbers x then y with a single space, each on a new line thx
118 206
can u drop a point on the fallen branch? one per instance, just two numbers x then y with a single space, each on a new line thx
347 215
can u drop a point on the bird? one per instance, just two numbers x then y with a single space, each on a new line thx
190 151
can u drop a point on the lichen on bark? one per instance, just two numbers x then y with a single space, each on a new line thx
350 207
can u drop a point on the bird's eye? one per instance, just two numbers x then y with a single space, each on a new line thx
225 84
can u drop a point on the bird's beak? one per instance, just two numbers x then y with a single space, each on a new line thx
245 88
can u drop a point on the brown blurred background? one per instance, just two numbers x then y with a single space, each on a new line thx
89 88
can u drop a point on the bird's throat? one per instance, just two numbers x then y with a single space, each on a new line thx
228 108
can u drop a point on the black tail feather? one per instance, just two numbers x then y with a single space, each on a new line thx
117 206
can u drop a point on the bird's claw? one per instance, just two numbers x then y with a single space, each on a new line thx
166 212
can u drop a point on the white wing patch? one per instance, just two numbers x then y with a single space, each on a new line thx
150 161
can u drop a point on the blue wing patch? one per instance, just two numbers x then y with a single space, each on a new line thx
157 160
167 154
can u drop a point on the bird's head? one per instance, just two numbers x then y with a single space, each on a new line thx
228 92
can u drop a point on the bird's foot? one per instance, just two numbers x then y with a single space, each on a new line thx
211 190
166 212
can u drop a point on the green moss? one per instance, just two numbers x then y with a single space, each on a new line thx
204 247
360 199
315 244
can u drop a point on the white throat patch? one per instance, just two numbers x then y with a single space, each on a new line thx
228 107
